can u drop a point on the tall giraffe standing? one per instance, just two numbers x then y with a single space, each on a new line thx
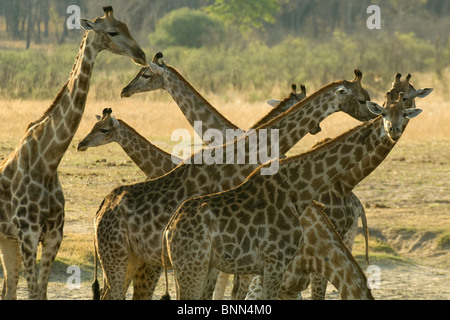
131 219
255 228
31 198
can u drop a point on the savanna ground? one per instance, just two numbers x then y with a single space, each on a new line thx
407 198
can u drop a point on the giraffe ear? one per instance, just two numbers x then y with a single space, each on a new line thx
422 93
98 117
115 122
86 24
273 102
155 68
412 113
375 108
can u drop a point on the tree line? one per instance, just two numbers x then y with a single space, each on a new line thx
44 20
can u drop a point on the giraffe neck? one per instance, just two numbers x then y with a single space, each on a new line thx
68 107
283 106
277 136
306 176
306 115
366 166
193 105
153 161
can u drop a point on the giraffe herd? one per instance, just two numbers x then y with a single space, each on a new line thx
276 233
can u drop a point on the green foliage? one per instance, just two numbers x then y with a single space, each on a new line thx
36 74
256 69
247 15
188 28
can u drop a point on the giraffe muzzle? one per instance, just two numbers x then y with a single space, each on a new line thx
81 147
126 93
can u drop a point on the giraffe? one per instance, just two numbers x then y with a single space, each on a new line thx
147 80
254 228
296 280
131 218
153 161
31 198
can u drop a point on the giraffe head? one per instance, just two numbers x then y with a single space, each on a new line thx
103 132
353 98
395 114
409 93
148 78
290 101
294 96
113 35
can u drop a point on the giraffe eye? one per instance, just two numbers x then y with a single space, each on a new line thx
146 76
113 34
104 130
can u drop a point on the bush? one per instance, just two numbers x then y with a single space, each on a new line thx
188 28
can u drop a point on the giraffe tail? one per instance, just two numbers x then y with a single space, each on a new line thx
366 233
95 285
166 296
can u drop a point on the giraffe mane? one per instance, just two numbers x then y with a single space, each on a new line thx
61 92
137 133
273 112
297 106
214 110
48 112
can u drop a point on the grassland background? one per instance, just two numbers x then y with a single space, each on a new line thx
407 199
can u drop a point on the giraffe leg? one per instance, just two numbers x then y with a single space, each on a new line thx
114 263
50 247
211 281
221 284
241 286
272 279
255 289
318 286
11 268
190 284
191 275
145 281
28 247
